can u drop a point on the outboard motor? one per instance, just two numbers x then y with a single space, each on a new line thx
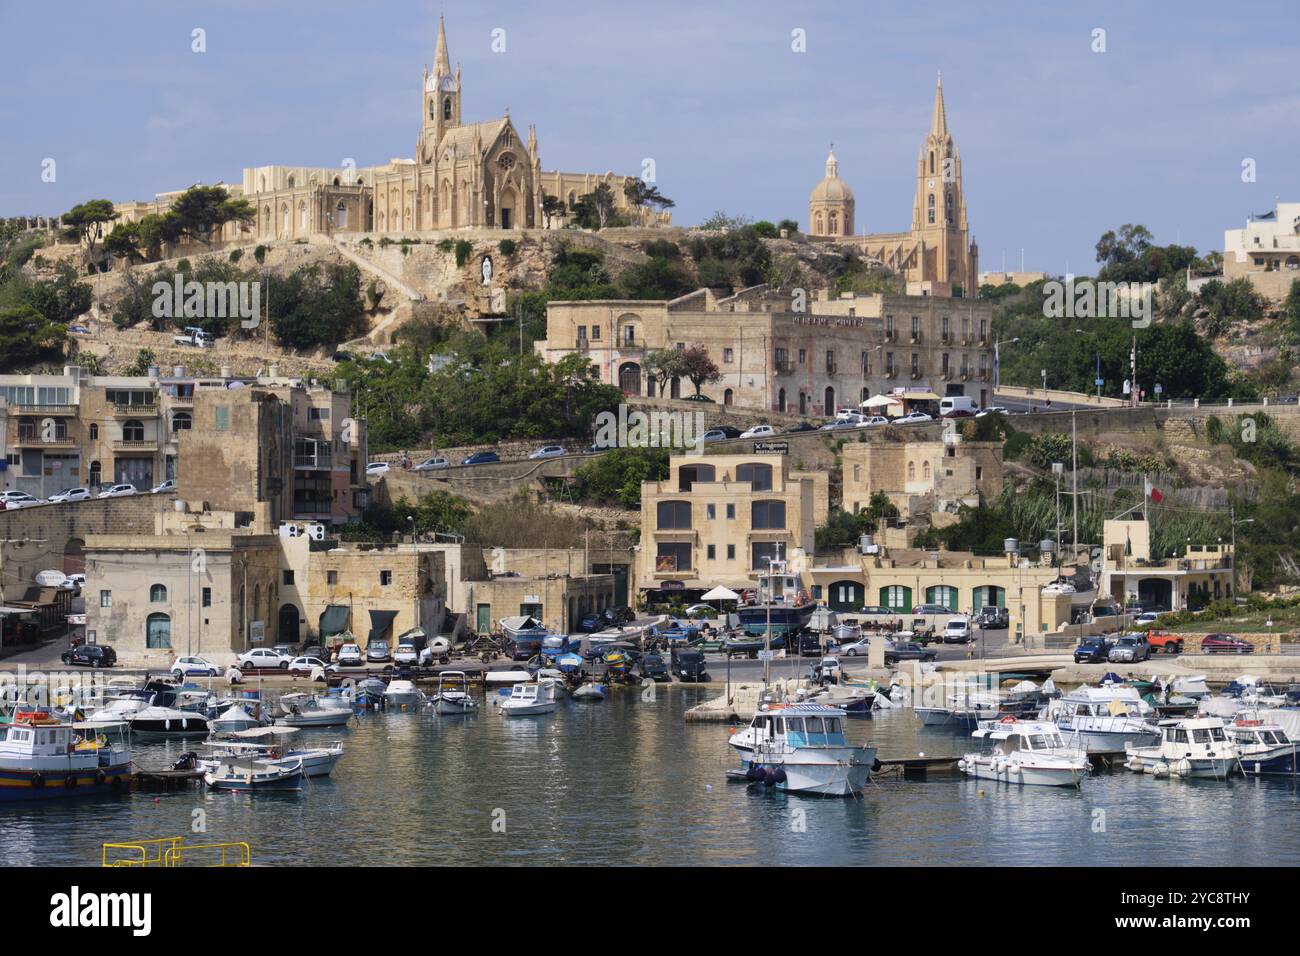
188 761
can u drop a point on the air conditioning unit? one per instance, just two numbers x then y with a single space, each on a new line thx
316 531
290 530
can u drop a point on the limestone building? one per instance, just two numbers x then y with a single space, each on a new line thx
921 477
1266 251
936 256
463 175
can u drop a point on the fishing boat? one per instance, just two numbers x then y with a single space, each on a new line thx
158 722
1108 720
402 694
1027 752
571 665
272 746
240 773
453 695
528 700
781 605
590 691
42 757
935 716
1263 747
303 710
1191 747
800 748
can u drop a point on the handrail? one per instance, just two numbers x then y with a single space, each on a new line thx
170 852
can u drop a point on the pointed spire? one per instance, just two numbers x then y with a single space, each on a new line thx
832 164
441 62
939 122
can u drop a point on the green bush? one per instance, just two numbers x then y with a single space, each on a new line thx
463 250
260 254
507 247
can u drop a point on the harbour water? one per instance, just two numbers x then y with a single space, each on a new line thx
629 782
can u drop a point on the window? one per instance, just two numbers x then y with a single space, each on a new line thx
896 597
803 356
889 363
94 433
916 327
287 578
673 556
221 420
687 475
911 471
830 360
727 355
731 512
158 594
674 515
767 514
181 421
595 333
758 475
710 511
105 598
207 597
731 552
133 430
315 414
711 552
385 578
761 552
331 578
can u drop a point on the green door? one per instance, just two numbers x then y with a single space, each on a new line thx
897 597
484 625
989 595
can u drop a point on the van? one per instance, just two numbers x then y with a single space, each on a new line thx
957 406
957 630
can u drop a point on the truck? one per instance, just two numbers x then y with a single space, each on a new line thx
194 336
1164 641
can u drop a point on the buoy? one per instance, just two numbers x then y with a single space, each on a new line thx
980 792
769 777
780 775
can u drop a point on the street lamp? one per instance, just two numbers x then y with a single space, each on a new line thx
997 361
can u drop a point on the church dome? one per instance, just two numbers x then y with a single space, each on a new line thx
832 188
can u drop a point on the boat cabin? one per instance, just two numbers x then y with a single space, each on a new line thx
779 586
1257 733
36 734
1021 735
801 726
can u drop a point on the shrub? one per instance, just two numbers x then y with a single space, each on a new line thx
260 254
507 247
463 250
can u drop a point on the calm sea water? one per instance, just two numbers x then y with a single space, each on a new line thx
629 782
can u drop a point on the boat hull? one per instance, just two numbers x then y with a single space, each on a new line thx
1216 768
527 710
454 706
1275 760
1011 772
402 700
1101 743
836 772
18 784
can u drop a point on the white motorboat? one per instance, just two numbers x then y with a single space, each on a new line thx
273 746
234 718
1191 747
1192 686
527 700
1263 747
238 773
592 691
1028 752
453 695
1107 719
402 694
303 710
801 748
167 722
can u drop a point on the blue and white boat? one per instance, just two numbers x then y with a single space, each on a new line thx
782 607
42 757
1107 720
1263 748
801 748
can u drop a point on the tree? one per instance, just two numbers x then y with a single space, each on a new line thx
657 278
85 223
1116 249
1230 303
663 365
723 221
641 194
124 242
27 338
201 211
698 367
552 207
602 203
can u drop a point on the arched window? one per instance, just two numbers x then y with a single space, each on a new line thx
158 594
942 594
133 430
817 224
341 214
181 421
96 475
433 109
674 515
291 180
897 597
925 471
94 432
833 224
573 200
302 215
446 108
158 631
911 471
931 162
930 214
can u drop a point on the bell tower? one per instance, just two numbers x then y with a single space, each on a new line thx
939 214
441 99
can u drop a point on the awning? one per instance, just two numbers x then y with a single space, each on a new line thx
381 622
919 397
720 594
878 401
334 620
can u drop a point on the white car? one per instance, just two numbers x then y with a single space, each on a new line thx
70 494
759 431
916 418
194 667
19 499
714 434
842 424
308 665
854 648
990 410
168 485
118 491
405 654
263 657
350 655
548 451
377 469
432 464
1146 617
871 421
77 581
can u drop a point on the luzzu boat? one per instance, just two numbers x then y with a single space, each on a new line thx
41 757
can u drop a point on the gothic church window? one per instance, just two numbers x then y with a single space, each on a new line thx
446 108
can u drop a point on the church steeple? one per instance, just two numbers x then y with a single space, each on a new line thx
939 214
441 62
939 121
441 99
832 164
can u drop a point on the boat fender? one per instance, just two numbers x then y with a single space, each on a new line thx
1013 768
755 773
876 765
38 780
100 778
780 775
769 776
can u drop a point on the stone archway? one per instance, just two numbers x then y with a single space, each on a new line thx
288 624
629 378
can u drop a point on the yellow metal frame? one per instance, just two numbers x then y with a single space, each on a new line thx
171 851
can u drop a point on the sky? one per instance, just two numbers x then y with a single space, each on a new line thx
1059 142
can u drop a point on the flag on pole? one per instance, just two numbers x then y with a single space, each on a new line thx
1153 492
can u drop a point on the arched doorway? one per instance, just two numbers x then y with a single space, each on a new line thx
288 624
158 631
803 404
830 401
629 378
780 400
74 556
845 596
509 204
944 594
989 595
727 397
675 390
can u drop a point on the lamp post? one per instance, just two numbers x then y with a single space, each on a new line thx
997 361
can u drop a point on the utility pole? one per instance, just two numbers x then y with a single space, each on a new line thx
1133 373
1074 476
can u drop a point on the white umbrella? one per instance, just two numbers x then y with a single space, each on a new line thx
877 401
720 594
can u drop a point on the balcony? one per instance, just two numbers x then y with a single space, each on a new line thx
135 411
946 375
946 338
916 337
830 368
917 373
891 335
784 367
319 462
148 444
29 440
891 373
965 375
582 345
61 410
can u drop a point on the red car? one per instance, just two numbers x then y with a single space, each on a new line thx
1225 644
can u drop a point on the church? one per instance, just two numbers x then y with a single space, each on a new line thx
937 256
464 175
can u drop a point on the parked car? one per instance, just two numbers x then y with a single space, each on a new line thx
872 421
263 657
990 410
306 665
406 654
957 630
350 655
958 406
20 499
548 451
896 651
1129 649
617 615
702 610
432 464
90 655
652 667
194 667
801 427
1146 619
164 487
991 617
1225 644
77 581
481 458
377 652
689 667
758 431
841 424
78 330
1092 650
118 491
852 649
592 622
915 418
699 398
377 469
1164 641
70 494
714 434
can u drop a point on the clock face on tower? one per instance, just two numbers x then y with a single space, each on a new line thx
929 184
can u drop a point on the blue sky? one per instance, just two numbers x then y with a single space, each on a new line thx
1058 143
